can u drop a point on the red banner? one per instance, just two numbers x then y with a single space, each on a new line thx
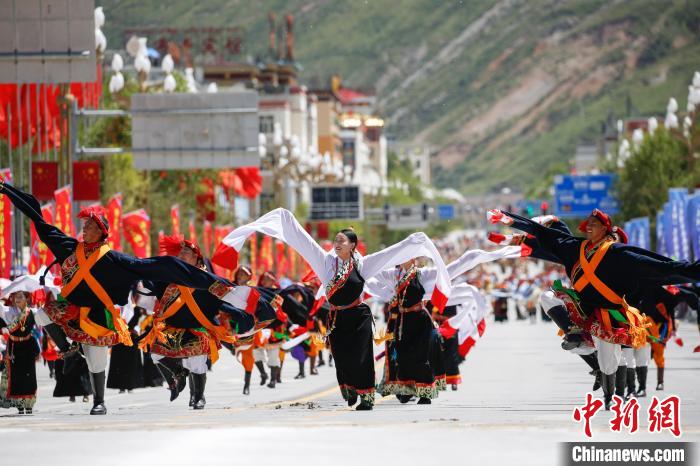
265 257
64 209
253 239
39 253
192 232
175 220
114 218
44 180
5 229
282 263
86 181
137 232
292 260
208 234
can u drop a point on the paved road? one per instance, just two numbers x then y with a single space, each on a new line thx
514 408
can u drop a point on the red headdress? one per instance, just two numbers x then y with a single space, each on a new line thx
98 214
172 245
270 275
600 215
621 235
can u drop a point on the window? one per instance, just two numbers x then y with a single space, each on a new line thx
267 124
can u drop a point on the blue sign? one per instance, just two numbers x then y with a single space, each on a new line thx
446 211
578 195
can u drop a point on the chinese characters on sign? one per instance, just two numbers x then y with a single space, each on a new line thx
662 414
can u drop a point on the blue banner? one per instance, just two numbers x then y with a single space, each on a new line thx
660 237
675 226
639 232
578 195
693 218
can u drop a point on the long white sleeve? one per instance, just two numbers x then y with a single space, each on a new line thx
475 257
415 245
282 225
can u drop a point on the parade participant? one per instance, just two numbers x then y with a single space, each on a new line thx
18 382
242 276
96 279
659 304
603 272
415 361
271 351
185 330
125 367
342 272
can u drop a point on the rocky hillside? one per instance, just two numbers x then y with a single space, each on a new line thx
504 90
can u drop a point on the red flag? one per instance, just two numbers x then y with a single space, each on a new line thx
175 220
193 232
137 232
208 234
114 217
248 182
44 180
64 216
86 181
40 254
220 232
5 229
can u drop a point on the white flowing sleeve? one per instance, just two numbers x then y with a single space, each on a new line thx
282 225
415 245
383 285
474 257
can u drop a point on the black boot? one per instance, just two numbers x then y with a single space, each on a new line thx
263 374
598 380
301 374
97 380
608 383
279 372
592 361
659 378
424 401
642 378
620 381
174 374
631 390
190 382
312 365
352 399
246 383
321 362
273 377
403 399
200 381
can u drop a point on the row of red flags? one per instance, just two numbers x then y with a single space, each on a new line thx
31 112
265 253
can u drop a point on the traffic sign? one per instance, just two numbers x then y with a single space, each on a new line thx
578 195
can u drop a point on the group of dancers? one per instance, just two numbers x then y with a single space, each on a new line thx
173 308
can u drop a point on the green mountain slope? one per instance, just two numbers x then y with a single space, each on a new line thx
504 90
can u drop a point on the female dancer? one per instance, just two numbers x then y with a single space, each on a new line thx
342 272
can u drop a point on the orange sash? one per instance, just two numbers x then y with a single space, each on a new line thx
216 332
589 277
83 274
